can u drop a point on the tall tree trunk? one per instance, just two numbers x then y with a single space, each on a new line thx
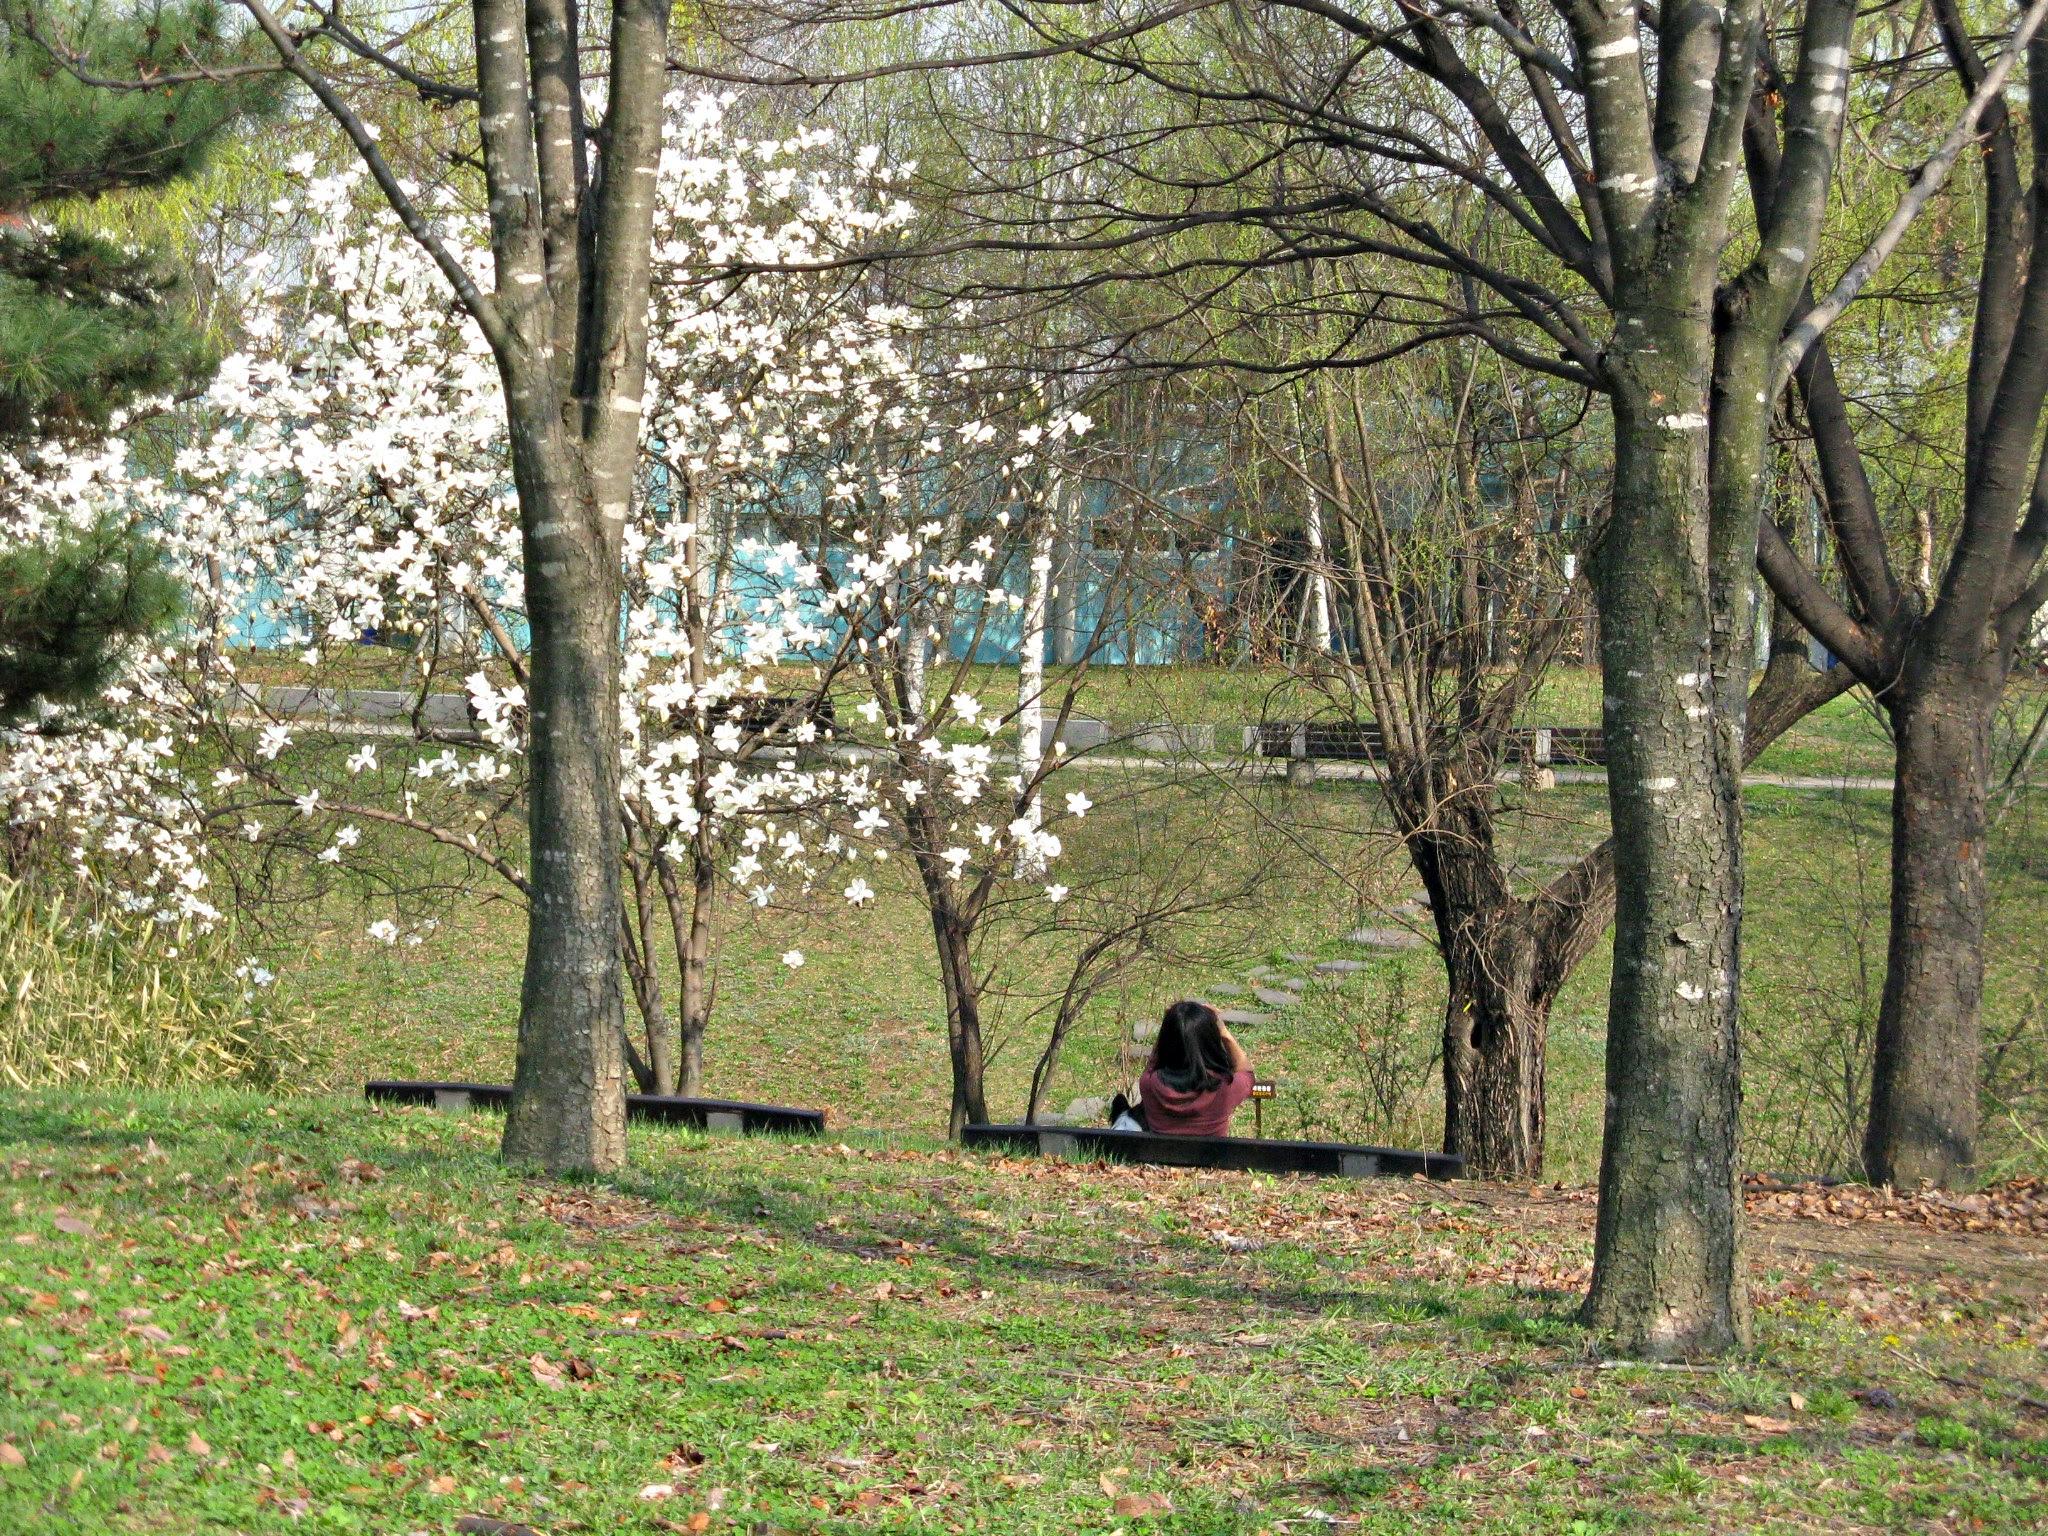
657 1072
697 969
1923 1092
1496 1018
1666 1278
568 1088
963 1016
1498 990
690 926
572 264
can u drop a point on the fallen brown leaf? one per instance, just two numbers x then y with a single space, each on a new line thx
1142 1506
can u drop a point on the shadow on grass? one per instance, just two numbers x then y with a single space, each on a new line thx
1157 1271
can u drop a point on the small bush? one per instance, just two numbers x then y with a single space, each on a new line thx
118 1000
1387 1050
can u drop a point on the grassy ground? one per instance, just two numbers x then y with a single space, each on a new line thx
223 1314
859 1029
1846 737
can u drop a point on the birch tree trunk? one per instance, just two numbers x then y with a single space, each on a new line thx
1031 645
1316 595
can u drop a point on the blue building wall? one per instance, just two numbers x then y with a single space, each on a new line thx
1136 606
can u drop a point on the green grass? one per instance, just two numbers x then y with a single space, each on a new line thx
221 1313
1844 737
859 1030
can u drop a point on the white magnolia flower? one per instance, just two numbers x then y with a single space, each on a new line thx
364 398
793 958
1078 804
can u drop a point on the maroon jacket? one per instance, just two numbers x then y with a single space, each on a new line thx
1170 1112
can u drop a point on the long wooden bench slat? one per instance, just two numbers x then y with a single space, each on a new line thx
1327 1159
667 1109
1364 741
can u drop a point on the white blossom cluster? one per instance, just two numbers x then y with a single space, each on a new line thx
347 472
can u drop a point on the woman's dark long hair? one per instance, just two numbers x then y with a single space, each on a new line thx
1192 1057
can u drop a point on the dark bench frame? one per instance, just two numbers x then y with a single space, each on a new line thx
1366 742
665 1109
1247 1154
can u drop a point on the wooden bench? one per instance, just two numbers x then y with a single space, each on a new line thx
663 1108
1364 742
763 714
1335 741
1245 1154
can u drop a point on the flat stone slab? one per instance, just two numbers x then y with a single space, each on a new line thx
1164 739
1244 1018
1385 938
1225 989
1086 1112
1303 959
1273 997
440 711
1342 967
1079 735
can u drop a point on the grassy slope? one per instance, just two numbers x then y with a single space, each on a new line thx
859 1030
213 1316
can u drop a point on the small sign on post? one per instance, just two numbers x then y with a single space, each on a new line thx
1261 1091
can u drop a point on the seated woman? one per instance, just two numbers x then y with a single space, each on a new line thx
1194 1080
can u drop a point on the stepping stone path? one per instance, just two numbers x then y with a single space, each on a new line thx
1385 938
1271 988
1087 1112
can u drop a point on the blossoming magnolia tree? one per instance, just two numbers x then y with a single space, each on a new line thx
350 472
